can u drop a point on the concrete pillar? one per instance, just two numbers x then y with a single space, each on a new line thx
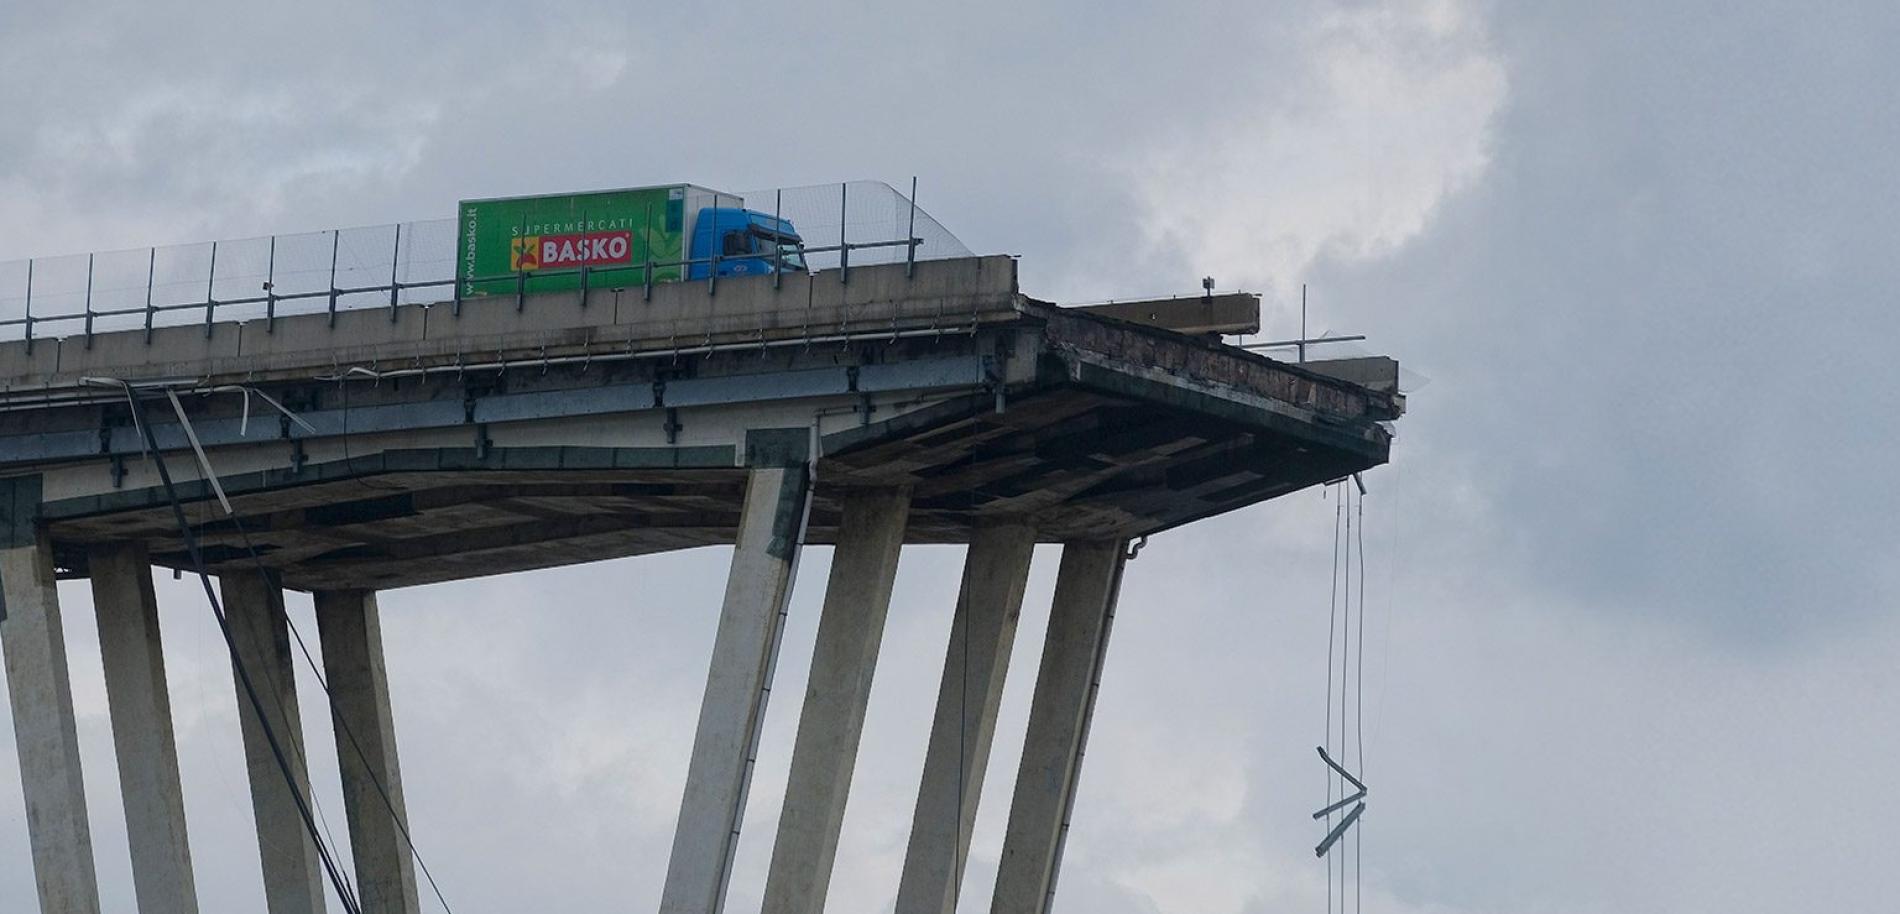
981 634
293 882
1059 713
850 630
40 691
352 633
771 527
141 709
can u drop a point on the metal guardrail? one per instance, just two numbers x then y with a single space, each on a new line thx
293 268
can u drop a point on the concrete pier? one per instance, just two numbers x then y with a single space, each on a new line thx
771 529
981 635
40 692
850 631
1059 713
351 630
142 735
293 882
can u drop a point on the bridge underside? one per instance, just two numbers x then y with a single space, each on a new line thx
1077 464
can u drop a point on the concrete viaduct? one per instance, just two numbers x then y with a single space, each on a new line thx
420 444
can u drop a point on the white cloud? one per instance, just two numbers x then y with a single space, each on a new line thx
1387 112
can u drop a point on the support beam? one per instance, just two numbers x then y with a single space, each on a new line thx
850 630
981 635
351 630
40 691
771 530
147 750
1059 714
254 602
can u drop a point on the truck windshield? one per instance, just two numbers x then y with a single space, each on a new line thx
788 246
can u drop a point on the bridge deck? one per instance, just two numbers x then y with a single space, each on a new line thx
519 435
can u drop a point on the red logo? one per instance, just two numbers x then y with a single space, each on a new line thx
555 252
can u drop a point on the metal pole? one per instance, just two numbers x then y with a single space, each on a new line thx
844 249
778 248
395 262
712 267
521 276
1302 322
584 268
335 236
270 288
29 306
89 301
151 268
211 287
910 234
646 242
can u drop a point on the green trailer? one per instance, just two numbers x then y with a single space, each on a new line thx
609 239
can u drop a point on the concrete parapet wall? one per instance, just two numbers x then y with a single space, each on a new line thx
684 315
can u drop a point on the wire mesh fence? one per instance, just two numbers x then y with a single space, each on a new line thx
853 224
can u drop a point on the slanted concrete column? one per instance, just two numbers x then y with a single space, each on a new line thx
771 526
293 882
352 633
40 691
141 709
1059 713
850 630
981 635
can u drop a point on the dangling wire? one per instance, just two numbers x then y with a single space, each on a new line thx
1332 626
1349 650
325 856
346 891
1359 705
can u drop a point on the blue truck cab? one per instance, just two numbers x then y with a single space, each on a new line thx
744 243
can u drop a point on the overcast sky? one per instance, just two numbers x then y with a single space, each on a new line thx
1633 568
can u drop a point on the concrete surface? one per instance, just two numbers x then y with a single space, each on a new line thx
293 881
850 631
737 684
40 691
140 704
1079 620
351 630
981 634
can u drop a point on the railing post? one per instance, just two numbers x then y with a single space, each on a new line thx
211 288
270 288
151 268
395 262
778 249
29 306
89 301
646 241
844 247
712 265
521 290
910 234
335 236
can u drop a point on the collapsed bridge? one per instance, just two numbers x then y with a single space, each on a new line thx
363 450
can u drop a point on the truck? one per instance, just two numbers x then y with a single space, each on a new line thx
617 239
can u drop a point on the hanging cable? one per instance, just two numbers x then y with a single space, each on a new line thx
1340 644
1332 626
1345 664
337 882
349 734
257 563
1359 707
